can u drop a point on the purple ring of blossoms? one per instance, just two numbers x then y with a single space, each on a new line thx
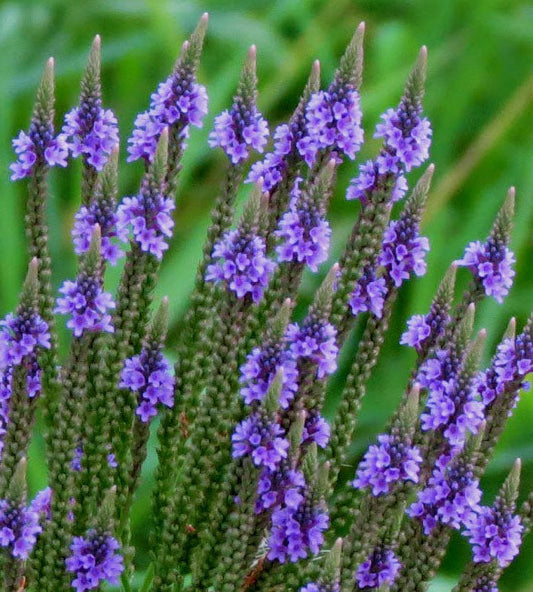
95 135
303 232
85 222
149 375
371 176
492 265
241 263
94 560
380 568
237 130
450 497
387 463
333 121
87 304
19 527
33 147
176 101
150 220
260 369
263 440
316 342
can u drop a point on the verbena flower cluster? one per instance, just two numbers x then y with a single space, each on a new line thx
257 485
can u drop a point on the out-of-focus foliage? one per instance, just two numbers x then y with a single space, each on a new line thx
479 99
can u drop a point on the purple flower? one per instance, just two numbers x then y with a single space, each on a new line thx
315 341
260 369
329 587
511 364
492 266
87 304
19 527
407 136
404 251
148 375
262 439
239 129
296 533
494 533
380 569
373 177
423 331
452 405
303 231
94 559
334 121
20 337
369 294
91 131
450 497
241 263
291 143
316 429
282 487
149 216
37 147
85 221
387 463
42 503
179 101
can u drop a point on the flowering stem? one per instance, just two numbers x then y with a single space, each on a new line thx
365 359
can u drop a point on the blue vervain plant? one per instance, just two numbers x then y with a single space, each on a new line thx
249 494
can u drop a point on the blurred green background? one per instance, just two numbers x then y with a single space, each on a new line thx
479 99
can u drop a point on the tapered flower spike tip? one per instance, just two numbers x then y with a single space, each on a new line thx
417 200
409 411
446 289
322 479
466 325
281 320
271 401
510 331
30 289
332 563
44 103
475 352
416 81
160 321
351 65
295 435
247 88
160 164
503 223
192 49
90 84
17 486
326 290
513 480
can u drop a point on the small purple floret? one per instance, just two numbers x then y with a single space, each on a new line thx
380 569
241 263
19 527
492 266
148 375
39 146
87 304
404 251
387 463
261 439
91 132
495 534
369 294
178 101
315 341
93 560
239 129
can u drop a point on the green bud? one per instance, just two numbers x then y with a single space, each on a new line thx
416 202
271 401
510 488
159 166
416 81
464 329
503 223
90 84
350 69
474 354
158 329
191 50
332 563
247 88
17 487
310 463
510 332
44 103
295 435
29 296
